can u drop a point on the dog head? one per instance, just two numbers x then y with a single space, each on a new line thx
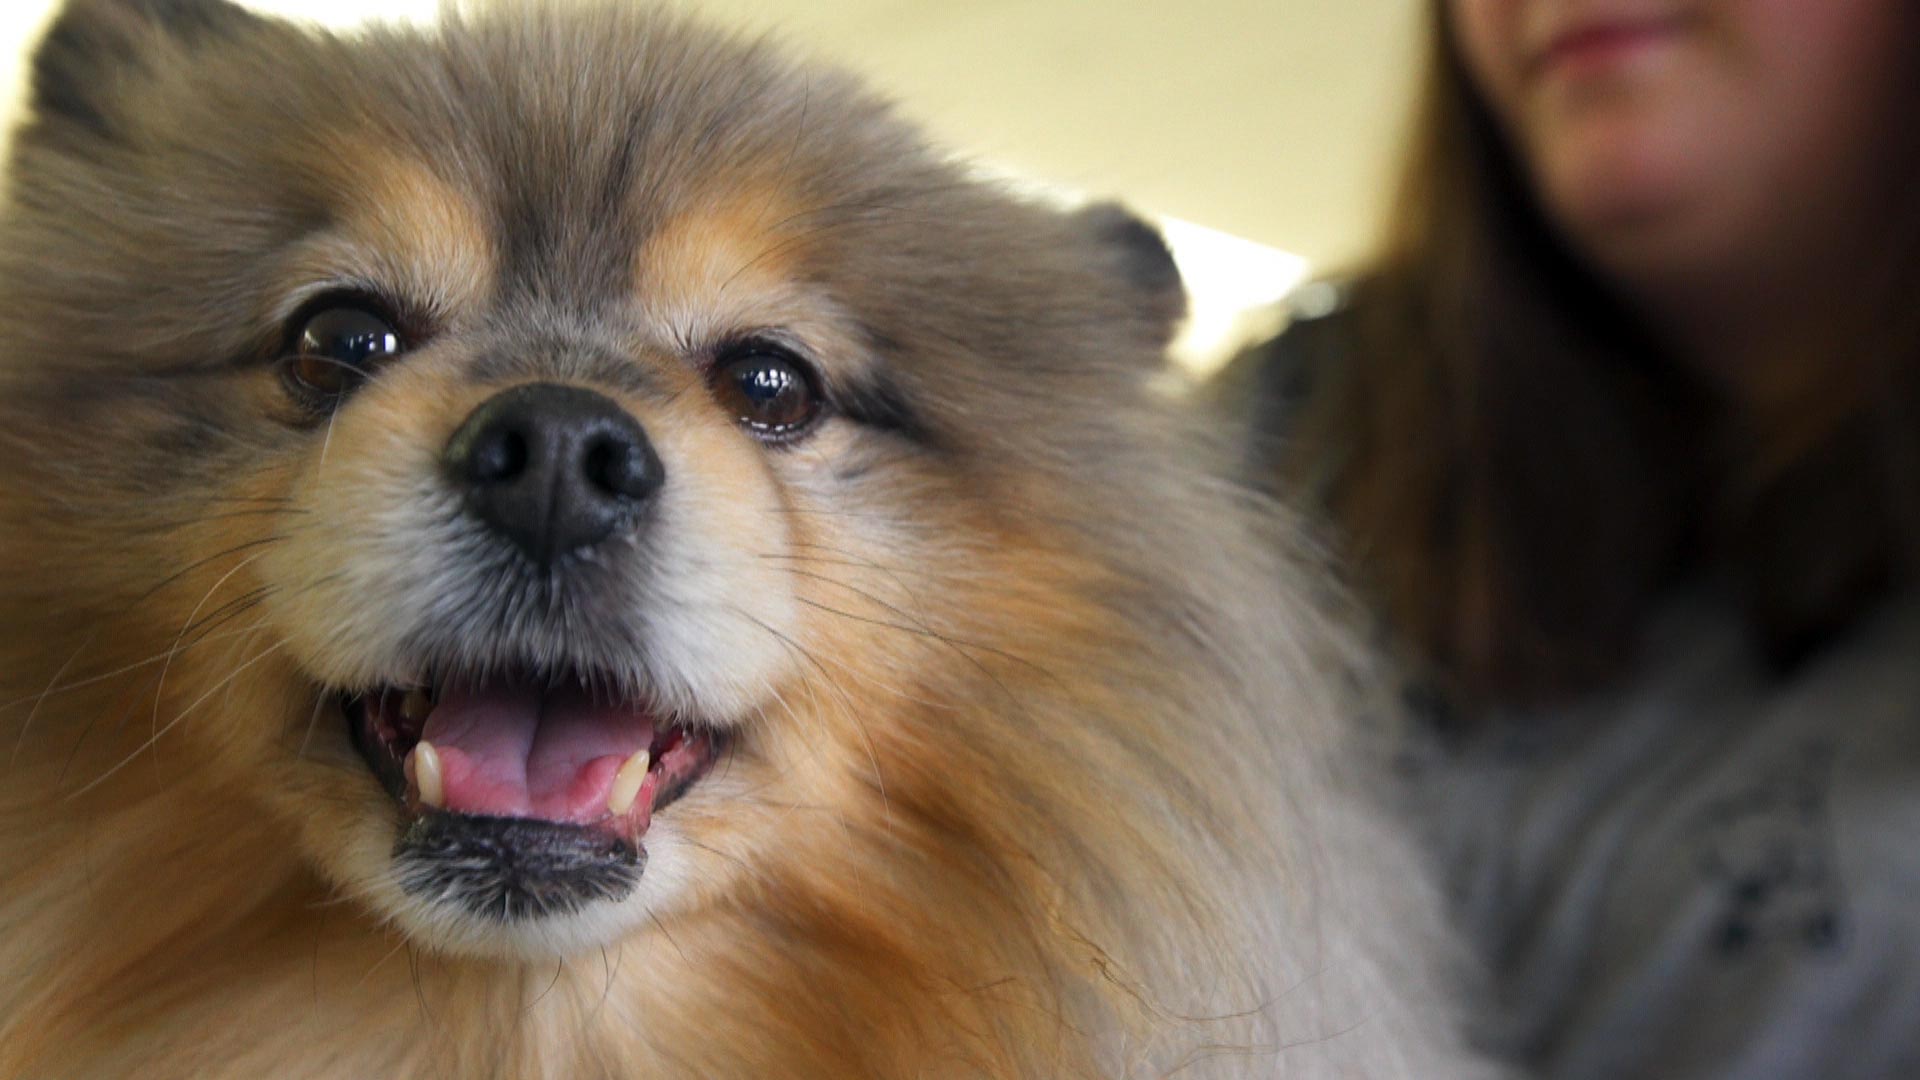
534 464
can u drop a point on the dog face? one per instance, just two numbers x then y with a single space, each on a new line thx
536 463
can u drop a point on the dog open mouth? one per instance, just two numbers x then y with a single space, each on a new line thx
525 795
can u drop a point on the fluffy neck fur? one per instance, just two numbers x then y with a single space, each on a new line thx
1120 871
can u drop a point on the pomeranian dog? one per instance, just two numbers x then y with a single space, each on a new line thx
567 545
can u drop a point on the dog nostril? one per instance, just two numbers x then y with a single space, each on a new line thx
499 458
621 469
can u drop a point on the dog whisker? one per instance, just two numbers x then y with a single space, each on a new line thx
419 991
73 753
558 967
271 500
202 636
133 700
922 634
319 706
612 971
326 443
958 645
378 964
21 739
182 715
176 524
912 596
174 650
654 917
711 850
245 545
814 511
852 710
865 561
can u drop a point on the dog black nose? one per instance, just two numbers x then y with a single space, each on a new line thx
554 468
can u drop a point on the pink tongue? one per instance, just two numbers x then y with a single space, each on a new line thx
516 749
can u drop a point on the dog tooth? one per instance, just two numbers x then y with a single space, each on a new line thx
427 776
627 782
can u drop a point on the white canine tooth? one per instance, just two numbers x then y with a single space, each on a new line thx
627 782
427 776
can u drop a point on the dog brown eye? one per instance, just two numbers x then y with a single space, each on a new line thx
768 392
336 347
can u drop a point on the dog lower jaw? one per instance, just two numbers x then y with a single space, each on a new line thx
527 852
511 870
514 890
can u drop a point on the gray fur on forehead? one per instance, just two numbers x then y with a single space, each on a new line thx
577 128
588 123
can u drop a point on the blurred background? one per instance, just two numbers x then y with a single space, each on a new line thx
1255 130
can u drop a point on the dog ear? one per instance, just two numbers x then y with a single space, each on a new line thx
1139 259
93 46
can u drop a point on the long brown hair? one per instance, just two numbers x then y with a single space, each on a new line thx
1519 472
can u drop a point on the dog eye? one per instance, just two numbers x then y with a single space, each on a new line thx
768 391
336 347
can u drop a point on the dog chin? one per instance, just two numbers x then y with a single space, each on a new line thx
452 928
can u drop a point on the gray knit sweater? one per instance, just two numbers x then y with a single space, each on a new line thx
1711 871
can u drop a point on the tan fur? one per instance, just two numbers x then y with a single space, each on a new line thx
403 223
1038 770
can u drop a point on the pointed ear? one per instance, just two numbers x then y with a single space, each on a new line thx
1139 260
95 45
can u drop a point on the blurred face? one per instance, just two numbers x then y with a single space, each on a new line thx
1675 140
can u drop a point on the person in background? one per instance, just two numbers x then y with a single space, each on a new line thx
1620 438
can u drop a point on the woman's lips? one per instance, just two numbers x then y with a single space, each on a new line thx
1596 48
